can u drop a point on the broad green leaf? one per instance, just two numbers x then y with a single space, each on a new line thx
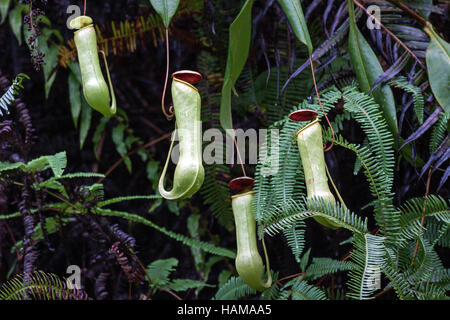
368 69
98 134
118 136
74 98
166 9
50 67
15 21
438 67
75 68
193 228
294 13
85 124
4 6
238 48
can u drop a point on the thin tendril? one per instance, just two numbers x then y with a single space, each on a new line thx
320 103
266 256
84 8
239 156
334 186
163 99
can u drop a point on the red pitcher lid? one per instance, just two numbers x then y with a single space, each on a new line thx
303 115
188 76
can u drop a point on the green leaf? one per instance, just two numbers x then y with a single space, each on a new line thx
75 68
160 270
74 98
193 228
4 6
85 124
15 21
185 284
98 134
368 69
50 66
206 246
7 166
118 136
438 67
238 48
234 289
166 9
294 13
57 163
223 277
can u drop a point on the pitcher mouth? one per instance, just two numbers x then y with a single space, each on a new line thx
307 126
303 115
188 76
242 194
242 183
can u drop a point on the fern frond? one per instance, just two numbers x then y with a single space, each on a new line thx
430 291
380 149
425 264
127 198
39 286
216 194
302 290
397 280
8 97
234 289
367 113
286 215
295 238
367 258
324 266
160 270
186 284
402 83
205 246
439 132
417 208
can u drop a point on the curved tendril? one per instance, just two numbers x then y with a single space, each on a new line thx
323 110
169 115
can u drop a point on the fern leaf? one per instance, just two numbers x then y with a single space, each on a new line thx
186 284
160 270
234 289
8 97
295 238
402 83
417 208
286 215
301 290
39 286
205 246
324 266
367 258
127 198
